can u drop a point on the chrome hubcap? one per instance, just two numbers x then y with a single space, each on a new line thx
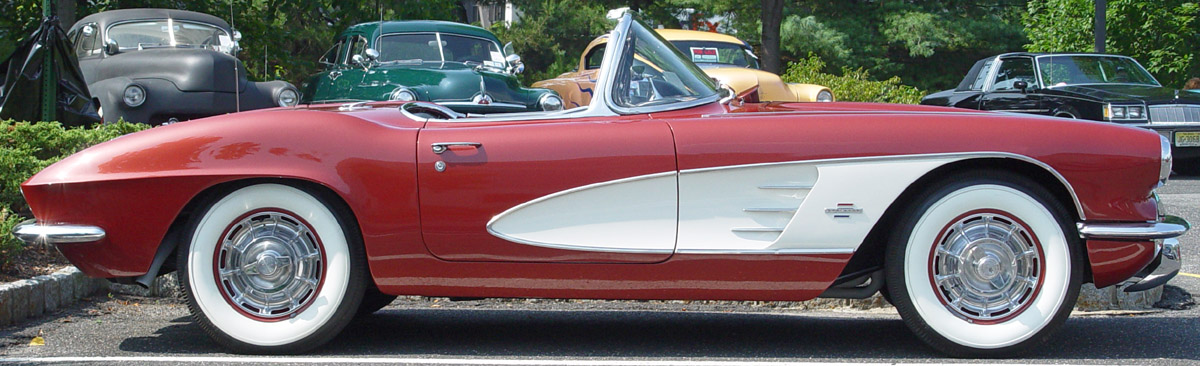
986 267
269 265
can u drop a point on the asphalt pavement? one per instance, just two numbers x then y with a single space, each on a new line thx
131 330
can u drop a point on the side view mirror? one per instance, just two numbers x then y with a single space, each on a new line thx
111 47
88 30
515 66
359 60
1021 85
372 54
237 36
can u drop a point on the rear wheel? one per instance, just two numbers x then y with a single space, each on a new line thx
271 268
984 265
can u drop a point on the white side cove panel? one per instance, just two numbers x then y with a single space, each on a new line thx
816 206
636 215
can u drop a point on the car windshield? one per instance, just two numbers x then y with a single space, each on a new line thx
717 53
170 33
1065 70
425 47
655 73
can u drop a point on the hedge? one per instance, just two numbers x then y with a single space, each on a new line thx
854 85
25 149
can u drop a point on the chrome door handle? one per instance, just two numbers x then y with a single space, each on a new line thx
441 147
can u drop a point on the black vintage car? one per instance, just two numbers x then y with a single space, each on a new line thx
162 65
1088 86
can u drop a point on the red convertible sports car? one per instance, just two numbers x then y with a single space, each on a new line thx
285 224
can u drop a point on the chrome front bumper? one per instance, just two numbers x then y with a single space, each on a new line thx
31 232
1167 259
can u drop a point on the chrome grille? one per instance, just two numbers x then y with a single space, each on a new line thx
1174 113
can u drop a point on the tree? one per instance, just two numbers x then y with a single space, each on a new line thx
772 19
1161 34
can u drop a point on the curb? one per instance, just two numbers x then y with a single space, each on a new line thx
20 300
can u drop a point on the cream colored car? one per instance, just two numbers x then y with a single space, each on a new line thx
723 57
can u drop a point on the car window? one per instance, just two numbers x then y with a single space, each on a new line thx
470 49
655 73
722 53
86 45
1060 70
358 46
982 76
409 47
1013 70
332 56
162 33
595 57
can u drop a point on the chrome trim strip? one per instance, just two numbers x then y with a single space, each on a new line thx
963 155
770 210
785 186
1131 231
31 232
757 230
765 251
473 104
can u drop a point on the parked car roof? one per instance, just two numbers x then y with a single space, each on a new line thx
693 35
112 16
403 26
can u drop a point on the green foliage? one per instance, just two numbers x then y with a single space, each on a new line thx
25 149
801 35
854 85
1162 35
552 35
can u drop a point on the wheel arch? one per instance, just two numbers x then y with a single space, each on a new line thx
165 255
870 254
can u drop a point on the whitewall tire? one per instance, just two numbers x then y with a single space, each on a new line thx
271 268
984 264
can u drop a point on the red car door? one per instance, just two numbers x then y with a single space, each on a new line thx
567 190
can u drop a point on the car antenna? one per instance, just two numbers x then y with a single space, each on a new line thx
237 92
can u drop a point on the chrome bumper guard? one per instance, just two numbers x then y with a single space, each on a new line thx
1167 260
31 232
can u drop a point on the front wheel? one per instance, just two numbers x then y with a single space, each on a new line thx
984 265
271 268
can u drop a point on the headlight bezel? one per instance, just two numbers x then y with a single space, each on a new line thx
130 96
550 98
1125 112
824 96
280 98
403 94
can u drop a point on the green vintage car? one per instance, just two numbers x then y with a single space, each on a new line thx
456 65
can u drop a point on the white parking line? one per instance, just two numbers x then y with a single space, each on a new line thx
435 361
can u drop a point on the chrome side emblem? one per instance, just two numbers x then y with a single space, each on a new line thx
843 210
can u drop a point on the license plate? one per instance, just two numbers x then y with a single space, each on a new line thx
1187 139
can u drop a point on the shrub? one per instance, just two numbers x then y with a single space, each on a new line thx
854 85
25 149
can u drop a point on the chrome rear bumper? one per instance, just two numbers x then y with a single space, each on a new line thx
31 232
1167 259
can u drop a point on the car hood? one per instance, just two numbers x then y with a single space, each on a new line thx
1129 93
191 70
443 82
